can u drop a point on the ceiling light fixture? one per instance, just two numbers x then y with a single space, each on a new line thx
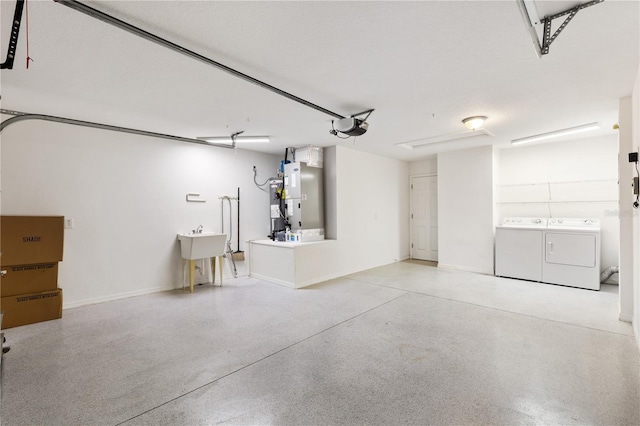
557 133
228 140
474 122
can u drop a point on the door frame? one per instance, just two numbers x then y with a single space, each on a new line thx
432 174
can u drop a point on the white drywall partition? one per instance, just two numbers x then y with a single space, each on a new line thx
635 114
626 198
127 197
428 166
465 209
372 202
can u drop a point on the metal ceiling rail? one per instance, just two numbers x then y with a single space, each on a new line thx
22 116
154 38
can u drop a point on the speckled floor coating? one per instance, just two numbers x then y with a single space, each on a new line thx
400 344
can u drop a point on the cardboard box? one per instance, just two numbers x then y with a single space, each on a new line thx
23 279
31 308
28 240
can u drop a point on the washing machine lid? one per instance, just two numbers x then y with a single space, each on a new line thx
572 223
524 222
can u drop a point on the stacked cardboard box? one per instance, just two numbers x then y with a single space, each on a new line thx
31 248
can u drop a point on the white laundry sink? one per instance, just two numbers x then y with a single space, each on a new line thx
202 245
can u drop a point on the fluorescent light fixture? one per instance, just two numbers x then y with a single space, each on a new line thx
452 137
557 133
227 140
474 122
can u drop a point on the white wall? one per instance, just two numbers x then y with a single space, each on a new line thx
496 193
372 206
465 209
428 166
636 217
625 208
575 178
126 194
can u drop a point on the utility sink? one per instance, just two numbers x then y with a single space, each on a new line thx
202 245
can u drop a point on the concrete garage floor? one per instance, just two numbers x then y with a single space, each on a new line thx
399 344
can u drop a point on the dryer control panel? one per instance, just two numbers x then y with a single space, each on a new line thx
574 223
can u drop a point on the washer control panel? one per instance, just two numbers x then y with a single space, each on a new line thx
525 222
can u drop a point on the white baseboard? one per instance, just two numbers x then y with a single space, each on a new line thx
295 285
319 280
117 296
625 317
463 268
102 299
272 280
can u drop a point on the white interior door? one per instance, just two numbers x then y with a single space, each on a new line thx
424 218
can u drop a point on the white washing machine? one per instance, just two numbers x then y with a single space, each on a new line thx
519 248
572 253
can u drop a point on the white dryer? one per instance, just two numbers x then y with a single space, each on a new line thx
572 253
519 248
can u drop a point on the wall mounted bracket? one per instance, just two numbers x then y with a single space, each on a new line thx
13 39
527 9
547 38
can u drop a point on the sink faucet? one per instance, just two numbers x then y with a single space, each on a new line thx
198 230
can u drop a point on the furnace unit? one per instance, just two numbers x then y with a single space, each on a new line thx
304 200
277 217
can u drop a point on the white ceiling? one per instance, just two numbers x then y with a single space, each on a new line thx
423 66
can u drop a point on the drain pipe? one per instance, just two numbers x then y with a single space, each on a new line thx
22 116
94 13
